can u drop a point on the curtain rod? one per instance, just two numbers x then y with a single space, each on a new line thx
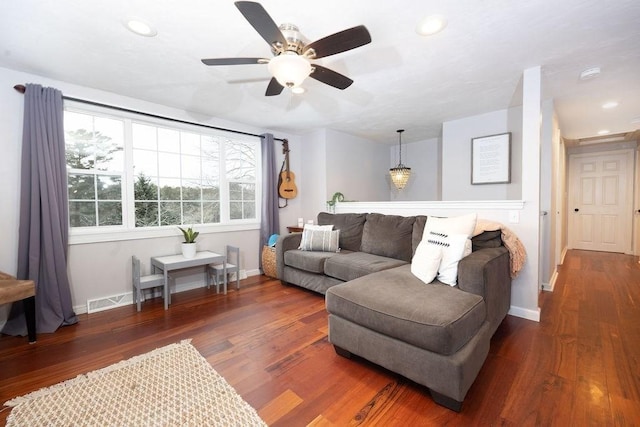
22 88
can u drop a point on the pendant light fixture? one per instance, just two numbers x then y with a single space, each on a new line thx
400 174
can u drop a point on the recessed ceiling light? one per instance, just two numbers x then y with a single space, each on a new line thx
141 28
603 131
298 90
431 24
610 104
590 73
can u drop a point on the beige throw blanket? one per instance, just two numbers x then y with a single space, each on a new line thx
517 252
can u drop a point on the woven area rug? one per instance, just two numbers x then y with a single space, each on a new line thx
172 385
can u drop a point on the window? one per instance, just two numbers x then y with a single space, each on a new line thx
132 174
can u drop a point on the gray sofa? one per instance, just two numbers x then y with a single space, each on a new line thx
434 334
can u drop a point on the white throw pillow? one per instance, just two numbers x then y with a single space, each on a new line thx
320 238
426 261
453 233
457 246
463 224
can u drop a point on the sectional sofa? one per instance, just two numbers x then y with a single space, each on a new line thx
435 334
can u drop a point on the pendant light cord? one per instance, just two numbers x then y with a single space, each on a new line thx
400 139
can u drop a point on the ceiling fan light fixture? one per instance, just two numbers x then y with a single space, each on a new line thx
298 90
400 174
289 69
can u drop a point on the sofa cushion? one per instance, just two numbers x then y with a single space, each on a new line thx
388 236
350 226
435 317
487 239
356 264
307 260
418 230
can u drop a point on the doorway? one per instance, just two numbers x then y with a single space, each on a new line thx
601 201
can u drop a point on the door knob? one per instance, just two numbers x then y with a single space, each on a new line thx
576 210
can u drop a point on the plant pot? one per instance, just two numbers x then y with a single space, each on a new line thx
189 250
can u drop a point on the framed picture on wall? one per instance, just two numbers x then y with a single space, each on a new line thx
491 159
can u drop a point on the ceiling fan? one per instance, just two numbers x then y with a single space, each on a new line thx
291 63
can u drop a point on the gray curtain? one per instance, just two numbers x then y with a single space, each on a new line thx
44 226
270 217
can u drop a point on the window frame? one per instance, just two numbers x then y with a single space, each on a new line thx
128 231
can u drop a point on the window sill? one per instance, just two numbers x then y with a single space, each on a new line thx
79 237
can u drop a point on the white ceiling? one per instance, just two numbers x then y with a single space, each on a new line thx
402 80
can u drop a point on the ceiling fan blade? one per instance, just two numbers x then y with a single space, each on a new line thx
274 88
234 61
261 21
330 77
340 42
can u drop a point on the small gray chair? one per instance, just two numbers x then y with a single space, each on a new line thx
232 264
141 283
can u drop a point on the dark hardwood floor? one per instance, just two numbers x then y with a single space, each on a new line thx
579 366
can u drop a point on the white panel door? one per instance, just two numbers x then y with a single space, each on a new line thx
600 201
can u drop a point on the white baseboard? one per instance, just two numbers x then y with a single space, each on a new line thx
549 287
525 313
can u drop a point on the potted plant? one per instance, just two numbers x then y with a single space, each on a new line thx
189 244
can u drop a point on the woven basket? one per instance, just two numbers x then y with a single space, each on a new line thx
269 261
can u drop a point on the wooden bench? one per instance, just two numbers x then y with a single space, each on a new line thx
11 290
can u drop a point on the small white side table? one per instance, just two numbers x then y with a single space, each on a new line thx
177 262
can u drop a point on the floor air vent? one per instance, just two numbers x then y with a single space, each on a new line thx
106 303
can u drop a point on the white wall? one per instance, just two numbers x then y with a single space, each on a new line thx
456 155
314 174
333 162
548 131
424 159
356 167
104 269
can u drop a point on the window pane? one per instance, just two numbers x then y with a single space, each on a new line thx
211 213
235 191
190 193
168 140
145 162
110 213
248 210
79 148
145 188
170 213
81 186
192 213
235 210
109 187
82 214
248 191
169 189
191 167
241 161
146 214
190 143
211 193
169 165
108 140
144 136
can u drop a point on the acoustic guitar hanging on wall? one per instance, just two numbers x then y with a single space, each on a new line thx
287 186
